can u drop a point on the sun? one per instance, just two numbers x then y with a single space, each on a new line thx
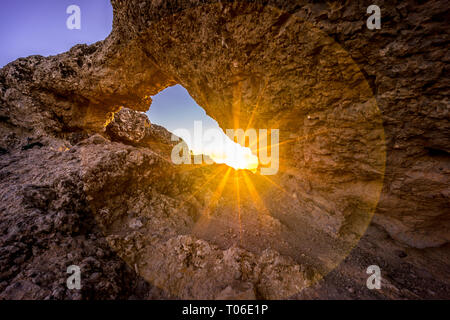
237 157
221 149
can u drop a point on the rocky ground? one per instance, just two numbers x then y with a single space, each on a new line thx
363 115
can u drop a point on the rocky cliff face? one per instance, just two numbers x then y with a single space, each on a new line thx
364 147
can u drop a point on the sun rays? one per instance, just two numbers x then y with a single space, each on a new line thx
239 187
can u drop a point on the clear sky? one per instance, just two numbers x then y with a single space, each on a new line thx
38 27
29 27
174 109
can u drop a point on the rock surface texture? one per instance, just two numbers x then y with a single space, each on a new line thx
364 169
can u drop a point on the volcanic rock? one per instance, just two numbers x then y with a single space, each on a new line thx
364 167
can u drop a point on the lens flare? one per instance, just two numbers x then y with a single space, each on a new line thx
237 157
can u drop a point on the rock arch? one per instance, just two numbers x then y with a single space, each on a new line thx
276 64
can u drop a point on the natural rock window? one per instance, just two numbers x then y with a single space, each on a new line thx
174 109
84 171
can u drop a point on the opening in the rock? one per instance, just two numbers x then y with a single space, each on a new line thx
177 111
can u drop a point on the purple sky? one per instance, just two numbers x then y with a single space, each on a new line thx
29 27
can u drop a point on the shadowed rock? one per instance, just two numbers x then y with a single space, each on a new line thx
364 130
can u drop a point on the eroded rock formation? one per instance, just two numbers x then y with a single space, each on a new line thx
364 131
